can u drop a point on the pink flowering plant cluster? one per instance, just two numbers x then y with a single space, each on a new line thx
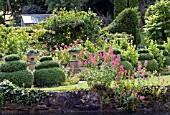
129 88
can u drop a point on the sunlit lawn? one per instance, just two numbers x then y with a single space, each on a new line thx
85 86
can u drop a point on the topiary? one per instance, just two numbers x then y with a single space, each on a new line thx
13 66
152 65
143 51
146 56
126 65
18 77
12 57
127 21
49 77
45 58
46 64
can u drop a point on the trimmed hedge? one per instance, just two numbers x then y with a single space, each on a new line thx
12 57
143 51
13 66
133 3
48 77
127 65
45 58
127 21
46 64
152 65
18 77
146 56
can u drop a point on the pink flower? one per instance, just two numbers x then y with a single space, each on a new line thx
3 59
53 51
79 63
72 66
71 45
62 44
23 84
129 91
134 70
114 89
142 97
89 74
45 47
85 63
135 93
124 94
75 89
142 74
147 79
128 77
146 63
86 48
55 46
103 63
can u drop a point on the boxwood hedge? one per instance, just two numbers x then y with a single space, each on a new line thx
146 56
48 77
46 64
45 58
13 66
18 77
12 57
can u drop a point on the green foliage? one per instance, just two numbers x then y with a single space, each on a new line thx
116 51
45 58
158 54
143 51
68 4
123 58
127 21
126 65
18 77
13 66
72 25
32 9
14 94
146 56
167 60
165 52
167 45
49 77
12 57
133 3
157 21
161 47
119 6
46 64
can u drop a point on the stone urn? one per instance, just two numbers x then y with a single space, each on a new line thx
74 61
31 55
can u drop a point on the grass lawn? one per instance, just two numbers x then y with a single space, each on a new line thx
84 85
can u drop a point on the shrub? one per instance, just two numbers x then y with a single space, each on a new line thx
152 65
133 3
157 21
1 55
146 56
126 65
12 57
13 66
46 64
15 94
49 77
143 51
45 58
18 77
167 61
127 21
